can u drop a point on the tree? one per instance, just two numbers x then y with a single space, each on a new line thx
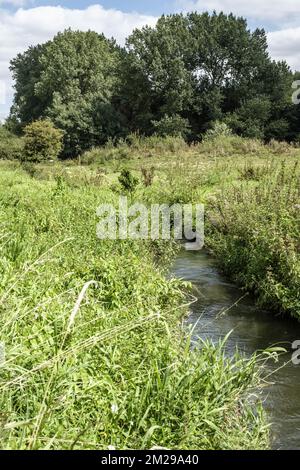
26 71
71 81
171 125
181 76
200 67
155 77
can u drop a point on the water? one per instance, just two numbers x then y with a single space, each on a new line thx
253 330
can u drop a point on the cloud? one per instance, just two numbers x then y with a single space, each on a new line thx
286 11
285 45
26 27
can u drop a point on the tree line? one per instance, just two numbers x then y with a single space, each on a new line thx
177 78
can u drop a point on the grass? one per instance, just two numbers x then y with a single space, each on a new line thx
256 231
95 355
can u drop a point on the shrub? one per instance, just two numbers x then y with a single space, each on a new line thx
251 119
42 141
219 129
128 181
171 126
256 239
11 146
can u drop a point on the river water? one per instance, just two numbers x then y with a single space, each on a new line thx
253 330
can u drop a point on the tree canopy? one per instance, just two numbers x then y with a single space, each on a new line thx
189 70
71 81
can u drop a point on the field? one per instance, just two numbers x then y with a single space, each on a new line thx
113 367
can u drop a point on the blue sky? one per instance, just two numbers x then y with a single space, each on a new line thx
27 22
152 7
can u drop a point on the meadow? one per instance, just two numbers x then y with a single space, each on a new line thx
94 353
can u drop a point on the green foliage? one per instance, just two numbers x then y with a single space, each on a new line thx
42 141
127 181
119 371
74 93
173 79
256 237
218 130
202 67
252 118
171 126
11 146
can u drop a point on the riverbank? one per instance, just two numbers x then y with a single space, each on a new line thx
222 309
254 232
251 194
115 370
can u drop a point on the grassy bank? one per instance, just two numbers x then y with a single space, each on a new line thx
116 368
255 233
252 196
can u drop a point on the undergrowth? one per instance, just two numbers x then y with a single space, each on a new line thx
112 366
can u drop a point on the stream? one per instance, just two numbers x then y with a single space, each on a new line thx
252 329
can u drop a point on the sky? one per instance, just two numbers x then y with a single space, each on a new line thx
29 22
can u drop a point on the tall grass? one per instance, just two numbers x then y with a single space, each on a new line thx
95 355
255 233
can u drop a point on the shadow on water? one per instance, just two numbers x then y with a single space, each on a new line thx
253 330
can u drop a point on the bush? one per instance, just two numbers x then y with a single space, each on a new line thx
42 141
175 126
256 238
11 146
127 181
219 129
252 118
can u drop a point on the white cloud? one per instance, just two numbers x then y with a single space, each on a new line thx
265 10
285 45
22 28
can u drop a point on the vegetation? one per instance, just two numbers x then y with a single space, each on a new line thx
112 366
75 93
11 146
42 141
256 234
178 78
92 350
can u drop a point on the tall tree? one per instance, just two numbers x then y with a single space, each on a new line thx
71 81
201 67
